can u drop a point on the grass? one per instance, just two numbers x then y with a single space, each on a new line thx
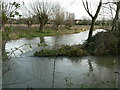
17 32
103 43
71 51
23 32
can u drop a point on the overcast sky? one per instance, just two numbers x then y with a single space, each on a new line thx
74 6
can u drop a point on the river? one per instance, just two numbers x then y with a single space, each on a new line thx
23 69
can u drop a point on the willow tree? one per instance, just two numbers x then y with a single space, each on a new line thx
69 20
93 17
58 16
29 21
42 10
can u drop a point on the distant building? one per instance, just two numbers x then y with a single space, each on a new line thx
77 21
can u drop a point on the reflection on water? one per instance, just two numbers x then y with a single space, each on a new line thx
41 72
51 41
57 72
90 67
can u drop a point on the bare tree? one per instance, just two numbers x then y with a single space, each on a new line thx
42 10
94 17
69 20
9 10
117 11
58 16
29 18
116 18
29 21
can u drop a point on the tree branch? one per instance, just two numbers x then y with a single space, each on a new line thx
87 8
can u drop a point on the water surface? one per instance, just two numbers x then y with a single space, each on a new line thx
57 72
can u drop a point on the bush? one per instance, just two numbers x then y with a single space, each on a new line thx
103 43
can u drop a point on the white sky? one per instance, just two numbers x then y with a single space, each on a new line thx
73 6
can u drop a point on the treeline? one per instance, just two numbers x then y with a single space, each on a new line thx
98 22
40 13
75 21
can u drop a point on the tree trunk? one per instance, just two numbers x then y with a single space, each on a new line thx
116 19
57 26
42 25
42 40
4 21
4 54
93 19
3 27
29 23
91 29
4 40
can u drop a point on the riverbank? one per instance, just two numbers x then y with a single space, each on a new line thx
66 69
18 31
103 43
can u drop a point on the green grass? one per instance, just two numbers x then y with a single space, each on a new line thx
103 43
71 51
24 32
17 32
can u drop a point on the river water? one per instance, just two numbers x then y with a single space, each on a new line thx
23 69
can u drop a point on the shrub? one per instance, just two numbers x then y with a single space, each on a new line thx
103 43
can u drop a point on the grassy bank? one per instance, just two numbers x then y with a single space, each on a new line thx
25 32
71 51
103 43
16 32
